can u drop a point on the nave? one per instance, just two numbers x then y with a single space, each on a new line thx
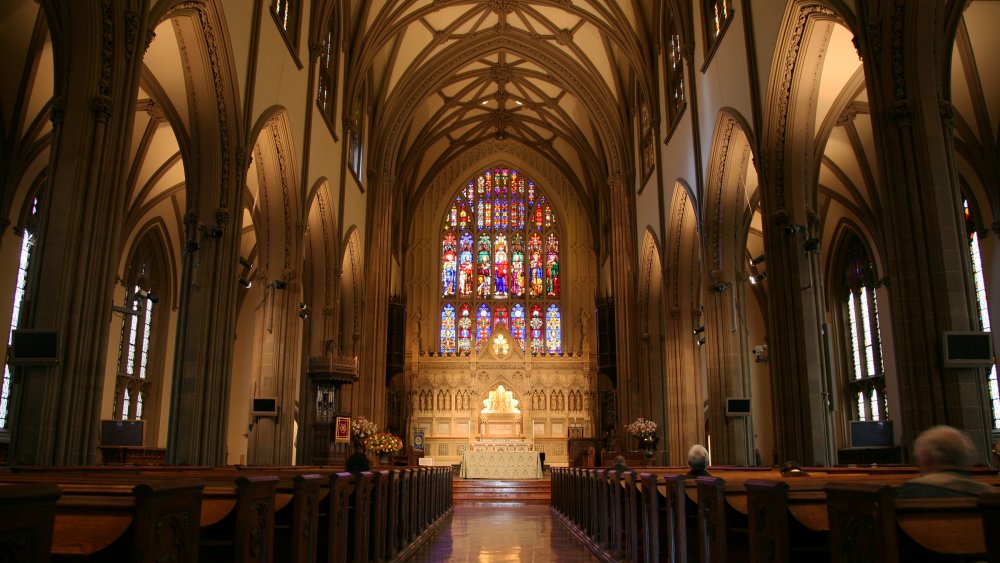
495 533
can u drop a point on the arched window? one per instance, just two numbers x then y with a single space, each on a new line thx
28 241
140 359
717 15
286 15
674 60
326 95
866 378
500 265
982 306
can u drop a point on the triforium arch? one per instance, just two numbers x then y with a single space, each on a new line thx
731 178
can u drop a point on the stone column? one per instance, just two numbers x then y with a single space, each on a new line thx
206 320
368 394
907 49
97 51
623 274
799 393
727 370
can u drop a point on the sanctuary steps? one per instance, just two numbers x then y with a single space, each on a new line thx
490 491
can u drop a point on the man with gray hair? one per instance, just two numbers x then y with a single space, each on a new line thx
942 453
698 461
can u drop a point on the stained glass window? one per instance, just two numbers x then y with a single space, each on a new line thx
982 306
861 334
553 335
465 329
448 329
326 95
27 247
500 246
674 59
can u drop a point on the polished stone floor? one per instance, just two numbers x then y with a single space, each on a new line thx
495 533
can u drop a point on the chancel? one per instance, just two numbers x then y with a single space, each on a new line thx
384 252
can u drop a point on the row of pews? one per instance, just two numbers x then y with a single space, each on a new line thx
737 515
218 515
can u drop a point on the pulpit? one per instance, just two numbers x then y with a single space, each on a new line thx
326 375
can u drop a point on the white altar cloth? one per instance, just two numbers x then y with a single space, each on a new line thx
501 465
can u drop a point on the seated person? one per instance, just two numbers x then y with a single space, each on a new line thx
942 453
792 469
620 466
357 462
698 461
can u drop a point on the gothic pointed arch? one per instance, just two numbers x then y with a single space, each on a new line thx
731 179
682 287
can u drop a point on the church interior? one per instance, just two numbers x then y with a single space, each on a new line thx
766 227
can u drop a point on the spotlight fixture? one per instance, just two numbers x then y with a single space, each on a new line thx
152 297
698 330
720 286
246 263
700 341
279 284
758 260
794 229
758 278
190 246
245 283
303 306
211 232
811 245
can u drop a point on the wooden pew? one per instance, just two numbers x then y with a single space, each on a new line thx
868 521
27 516
236 515
144 523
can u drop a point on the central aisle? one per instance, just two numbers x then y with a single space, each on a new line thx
492 533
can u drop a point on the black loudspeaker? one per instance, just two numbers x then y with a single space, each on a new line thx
967 349
33 347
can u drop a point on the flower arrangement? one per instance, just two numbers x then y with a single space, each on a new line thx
641 428
383 443
362 428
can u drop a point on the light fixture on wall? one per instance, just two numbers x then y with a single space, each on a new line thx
794 229
245 283
190 246
811 245
758 278
758 260
720 286
150 296
246 263
279 284
700 341
210 232
303 311
698 330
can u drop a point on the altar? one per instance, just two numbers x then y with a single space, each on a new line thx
501 465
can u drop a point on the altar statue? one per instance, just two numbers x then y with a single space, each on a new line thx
500 400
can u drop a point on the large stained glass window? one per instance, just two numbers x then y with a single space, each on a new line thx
500 266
